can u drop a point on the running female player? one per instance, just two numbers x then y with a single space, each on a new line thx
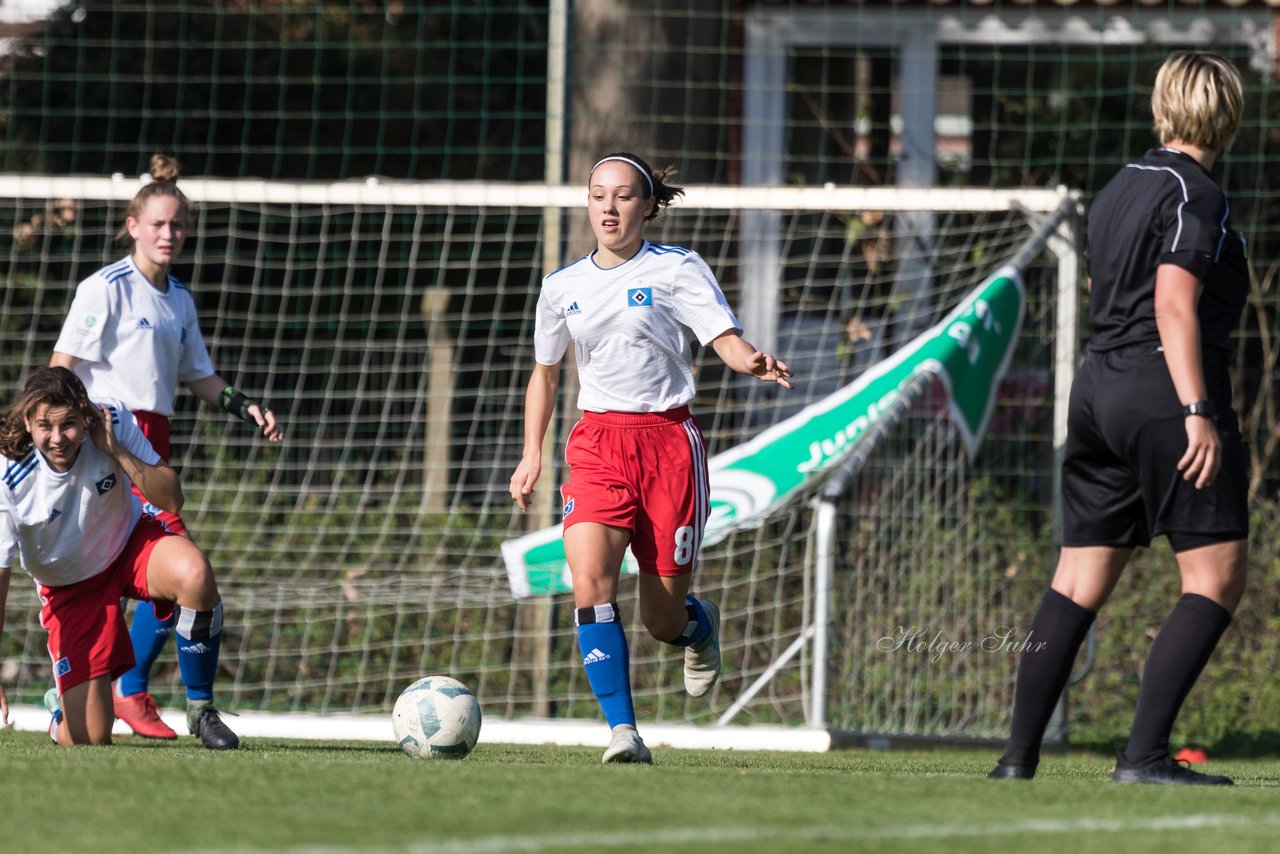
637 459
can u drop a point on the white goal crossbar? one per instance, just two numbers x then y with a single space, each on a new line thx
486 194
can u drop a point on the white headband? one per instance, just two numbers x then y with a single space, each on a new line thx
648 179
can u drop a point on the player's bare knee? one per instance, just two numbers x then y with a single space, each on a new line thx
197 588
592 588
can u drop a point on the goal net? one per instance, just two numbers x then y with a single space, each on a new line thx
390 325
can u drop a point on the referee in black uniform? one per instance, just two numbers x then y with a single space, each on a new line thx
1153 446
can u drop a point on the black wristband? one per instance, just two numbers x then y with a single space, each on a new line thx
236 403
1203 408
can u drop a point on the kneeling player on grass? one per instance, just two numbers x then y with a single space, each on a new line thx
67 509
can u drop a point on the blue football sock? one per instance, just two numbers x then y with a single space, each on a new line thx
149 636
603 645
698 629
199 639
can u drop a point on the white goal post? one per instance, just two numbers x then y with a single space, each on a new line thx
389 325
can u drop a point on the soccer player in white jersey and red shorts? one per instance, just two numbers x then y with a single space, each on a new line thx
637 459
68 511
132 335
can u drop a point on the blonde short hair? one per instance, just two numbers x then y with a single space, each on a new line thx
1198 99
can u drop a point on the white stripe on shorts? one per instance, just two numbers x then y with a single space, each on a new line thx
702 492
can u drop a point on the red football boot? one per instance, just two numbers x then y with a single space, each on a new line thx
140 713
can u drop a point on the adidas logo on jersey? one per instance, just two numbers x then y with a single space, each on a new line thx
595 656
145 324
198 648
572 309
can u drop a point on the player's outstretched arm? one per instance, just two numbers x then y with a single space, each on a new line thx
215 391
539 402
745 359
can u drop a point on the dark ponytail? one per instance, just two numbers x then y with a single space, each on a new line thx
663 192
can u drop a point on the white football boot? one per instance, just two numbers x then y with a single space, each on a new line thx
626 746
702 662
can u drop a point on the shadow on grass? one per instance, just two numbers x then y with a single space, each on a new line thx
257 744
317 746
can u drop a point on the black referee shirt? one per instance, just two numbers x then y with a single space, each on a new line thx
1163 209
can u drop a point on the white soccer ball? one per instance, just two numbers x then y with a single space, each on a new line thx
436 717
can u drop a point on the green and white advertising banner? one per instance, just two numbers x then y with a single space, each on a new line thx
968 351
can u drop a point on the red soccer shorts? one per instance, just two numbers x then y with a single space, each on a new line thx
87 634
646 472
156 429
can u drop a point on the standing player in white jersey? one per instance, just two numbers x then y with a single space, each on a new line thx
637 459
132 335
67 510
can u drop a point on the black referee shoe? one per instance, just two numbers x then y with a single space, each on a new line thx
204 722
1165 770
1011 772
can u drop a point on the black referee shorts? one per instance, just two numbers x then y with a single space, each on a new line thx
1125 434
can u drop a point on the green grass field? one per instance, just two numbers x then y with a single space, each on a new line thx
347 796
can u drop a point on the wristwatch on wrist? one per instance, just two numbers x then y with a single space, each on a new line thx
1203 408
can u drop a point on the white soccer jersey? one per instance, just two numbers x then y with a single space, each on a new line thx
69 526
137 343
629 325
